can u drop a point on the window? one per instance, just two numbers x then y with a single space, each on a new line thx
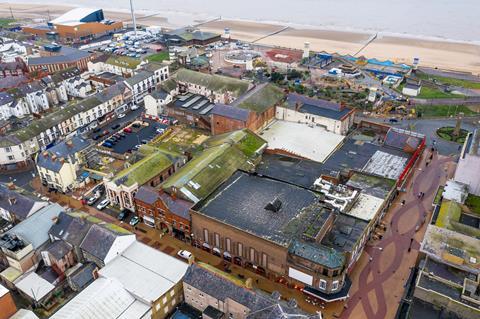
335 285
172 293
217 240
11 157
164 301
335 273
8 149
325 272
240 250
252 255
227 244
205 235
323 284
264 259
165 310
173 303
157 307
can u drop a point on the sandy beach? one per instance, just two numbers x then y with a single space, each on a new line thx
444 55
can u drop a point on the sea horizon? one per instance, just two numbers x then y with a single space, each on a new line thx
462 30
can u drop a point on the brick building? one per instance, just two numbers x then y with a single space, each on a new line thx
77 25
276 230
61 59
252 110
162 211
7 305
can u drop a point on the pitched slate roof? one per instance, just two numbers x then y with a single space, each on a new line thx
66 55
70 229
231 112
51 158
139 77
261 98
216 83
58 249
83 276
177 206
318 107
16 203
35 228
221 288
147 195
99 240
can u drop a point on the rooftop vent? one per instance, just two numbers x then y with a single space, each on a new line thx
274 205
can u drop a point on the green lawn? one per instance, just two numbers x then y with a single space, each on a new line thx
443 110
158 57
433 93
4 22
450 81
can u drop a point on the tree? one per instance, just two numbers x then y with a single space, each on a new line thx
276 77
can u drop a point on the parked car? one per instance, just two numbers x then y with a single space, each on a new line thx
116 126
123 214
122 135
106 132
127 130
144 141
96 130
134 221
107 144
136 125
160 130
104 203
121 115
134 107
92 200
96 137
185 254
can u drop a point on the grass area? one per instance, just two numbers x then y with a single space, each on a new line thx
158 57
5 22
250 144
450 81
443 110
473 203
433 93
447 134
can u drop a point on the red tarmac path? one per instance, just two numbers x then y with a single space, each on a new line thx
379 287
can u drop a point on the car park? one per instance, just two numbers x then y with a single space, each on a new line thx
134 221
185 254
104 203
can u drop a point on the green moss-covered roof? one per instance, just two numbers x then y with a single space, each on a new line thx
154 162
262 99
169 85
449 211
222 156
473 203
217 83
123 61
50 120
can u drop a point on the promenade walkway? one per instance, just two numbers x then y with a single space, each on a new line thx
378 284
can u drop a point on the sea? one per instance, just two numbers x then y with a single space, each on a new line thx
453 20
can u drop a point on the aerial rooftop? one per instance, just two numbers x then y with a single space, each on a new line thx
242 202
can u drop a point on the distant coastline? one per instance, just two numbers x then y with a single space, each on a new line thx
434 52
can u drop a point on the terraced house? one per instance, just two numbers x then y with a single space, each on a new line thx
18 147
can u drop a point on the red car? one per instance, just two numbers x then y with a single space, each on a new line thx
128 130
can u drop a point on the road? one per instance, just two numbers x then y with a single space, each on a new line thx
428 127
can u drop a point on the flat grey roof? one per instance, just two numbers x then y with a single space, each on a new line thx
241 200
